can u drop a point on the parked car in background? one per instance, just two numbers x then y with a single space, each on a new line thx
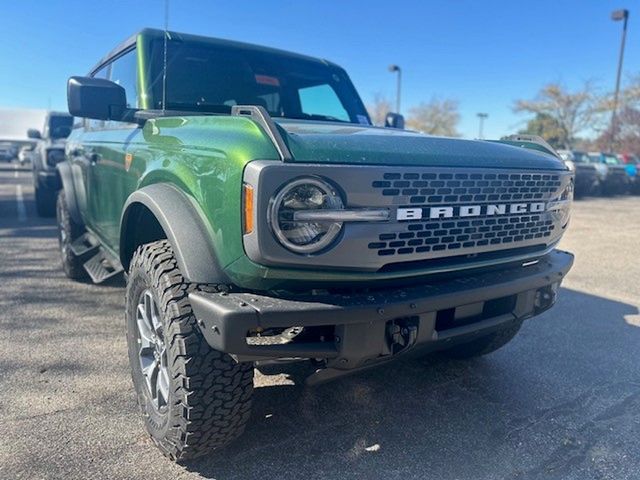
589 177
47 154
24 155
7 151
632 164
617 181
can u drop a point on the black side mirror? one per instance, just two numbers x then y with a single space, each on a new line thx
96 98
394 120
33 133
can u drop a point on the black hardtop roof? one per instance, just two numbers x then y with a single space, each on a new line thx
186 37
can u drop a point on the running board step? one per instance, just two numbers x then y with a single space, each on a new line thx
84 244
102 266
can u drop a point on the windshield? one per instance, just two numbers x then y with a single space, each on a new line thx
60 126
580 157
611 160
212 78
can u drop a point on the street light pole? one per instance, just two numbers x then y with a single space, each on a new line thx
482 117
617 16
396 68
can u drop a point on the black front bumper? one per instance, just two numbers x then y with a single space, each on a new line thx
351 331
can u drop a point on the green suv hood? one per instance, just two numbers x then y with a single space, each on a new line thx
322 142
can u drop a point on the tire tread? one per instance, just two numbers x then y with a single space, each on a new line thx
212 392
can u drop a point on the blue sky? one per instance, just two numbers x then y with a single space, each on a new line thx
484 54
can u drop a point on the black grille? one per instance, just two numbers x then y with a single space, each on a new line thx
447 234
458 188
455 236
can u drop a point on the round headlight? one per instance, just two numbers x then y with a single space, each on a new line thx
305 195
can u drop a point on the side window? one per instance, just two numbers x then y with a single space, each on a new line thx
124 72
102 73
271 102
322 100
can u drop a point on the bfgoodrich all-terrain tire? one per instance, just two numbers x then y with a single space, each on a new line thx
68 231
485 344
194 399
45 201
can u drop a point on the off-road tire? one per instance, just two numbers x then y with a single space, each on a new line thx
485 344
45 202
68 231
209 395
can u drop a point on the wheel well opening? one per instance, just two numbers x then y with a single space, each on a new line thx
139 226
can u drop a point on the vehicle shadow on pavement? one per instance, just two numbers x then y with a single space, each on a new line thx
547 404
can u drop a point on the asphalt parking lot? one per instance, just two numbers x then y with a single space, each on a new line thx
562 401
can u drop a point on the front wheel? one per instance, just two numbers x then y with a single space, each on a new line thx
194 399
485 344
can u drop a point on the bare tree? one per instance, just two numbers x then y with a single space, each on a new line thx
627 138
574 112
436 117
547 127
631 92
379 108
627 132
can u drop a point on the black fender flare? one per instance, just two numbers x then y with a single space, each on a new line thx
181 219
64 169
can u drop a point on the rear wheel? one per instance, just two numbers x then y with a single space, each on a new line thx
68 231
194 399
485 344
45 201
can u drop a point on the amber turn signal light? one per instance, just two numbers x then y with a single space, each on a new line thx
247 199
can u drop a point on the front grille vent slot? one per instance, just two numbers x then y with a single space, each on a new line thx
460 188
440 235
448 237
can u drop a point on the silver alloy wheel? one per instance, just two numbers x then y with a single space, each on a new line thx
152 352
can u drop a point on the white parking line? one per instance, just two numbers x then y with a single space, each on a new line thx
22 211
15 170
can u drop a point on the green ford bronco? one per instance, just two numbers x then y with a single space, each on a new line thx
259 217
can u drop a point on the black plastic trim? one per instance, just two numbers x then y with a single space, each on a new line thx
179 217
64 169
225 318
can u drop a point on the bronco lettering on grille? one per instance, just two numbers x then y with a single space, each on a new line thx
469 211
